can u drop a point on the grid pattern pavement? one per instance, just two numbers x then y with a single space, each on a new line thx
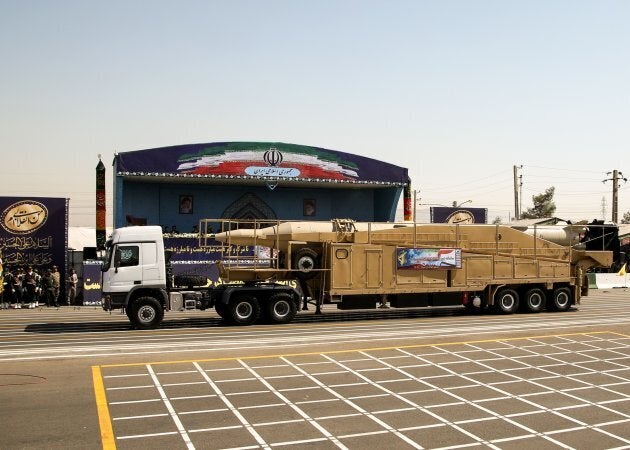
562 391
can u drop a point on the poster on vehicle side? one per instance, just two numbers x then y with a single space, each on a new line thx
429 258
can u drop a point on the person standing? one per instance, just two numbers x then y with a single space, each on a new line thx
73 279
56 284
47 288
17 287
29 288
8 296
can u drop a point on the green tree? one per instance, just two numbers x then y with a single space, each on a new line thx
543 205
626 217
497 220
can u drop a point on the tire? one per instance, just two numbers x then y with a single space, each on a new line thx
506 301
280 308
129 311
561 299
146 313
221 309
305 261
535 300
189 280
243 310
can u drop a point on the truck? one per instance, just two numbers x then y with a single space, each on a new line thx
350 264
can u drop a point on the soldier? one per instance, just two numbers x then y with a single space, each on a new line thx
56 284
29 287
17 287
8 294
48 290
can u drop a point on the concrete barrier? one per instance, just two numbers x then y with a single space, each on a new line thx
607 280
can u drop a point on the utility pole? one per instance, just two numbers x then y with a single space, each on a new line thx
616 177
517 211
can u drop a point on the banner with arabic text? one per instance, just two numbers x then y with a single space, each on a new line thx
92 282
34 232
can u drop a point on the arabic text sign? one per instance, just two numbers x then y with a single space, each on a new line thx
92 282
429 258
33 231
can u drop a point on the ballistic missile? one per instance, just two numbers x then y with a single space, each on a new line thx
558 234
313 231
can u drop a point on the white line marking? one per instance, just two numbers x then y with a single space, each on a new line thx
140 436
293 406
131 402
350 403
171 410
147 416
231 407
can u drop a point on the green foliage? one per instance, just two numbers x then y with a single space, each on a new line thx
543 205
497 220
626 217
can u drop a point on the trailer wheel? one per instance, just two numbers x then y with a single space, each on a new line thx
280 308
305 261
506 301
146 313
244 310
535 300
561 300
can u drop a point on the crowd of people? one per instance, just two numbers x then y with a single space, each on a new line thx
31 288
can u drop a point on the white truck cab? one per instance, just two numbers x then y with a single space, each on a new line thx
134 271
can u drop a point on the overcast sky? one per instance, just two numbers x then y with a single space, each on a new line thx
456 91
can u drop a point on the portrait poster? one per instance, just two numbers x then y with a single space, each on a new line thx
185 204
309 207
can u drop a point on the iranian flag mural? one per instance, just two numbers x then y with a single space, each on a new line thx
259 160
279 164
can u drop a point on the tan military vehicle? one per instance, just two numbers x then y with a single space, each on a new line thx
363 265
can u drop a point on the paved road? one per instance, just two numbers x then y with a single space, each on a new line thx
431 378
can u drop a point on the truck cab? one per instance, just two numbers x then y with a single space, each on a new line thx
136 277
134 274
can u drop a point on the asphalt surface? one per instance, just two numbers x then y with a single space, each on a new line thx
429 378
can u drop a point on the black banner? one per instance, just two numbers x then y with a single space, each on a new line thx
445 214
34 232
92 282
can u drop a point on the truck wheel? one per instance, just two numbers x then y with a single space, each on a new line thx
244 310
221 309
146 313
280 308
535 299
561 300
506 301
304 261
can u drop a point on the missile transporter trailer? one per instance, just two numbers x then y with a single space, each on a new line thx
362 265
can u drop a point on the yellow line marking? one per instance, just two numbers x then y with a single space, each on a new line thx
332 352
104 420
